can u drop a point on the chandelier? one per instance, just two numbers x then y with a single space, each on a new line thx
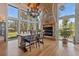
33 10
33 5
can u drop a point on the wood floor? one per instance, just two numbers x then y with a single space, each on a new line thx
50 48
2 46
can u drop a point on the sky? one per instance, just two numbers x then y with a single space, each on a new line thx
69 9
12 12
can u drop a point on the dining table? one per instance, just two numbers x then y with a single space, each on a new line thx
23 38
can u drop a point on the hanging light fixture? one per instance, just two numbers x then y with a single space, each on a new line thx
33 9
62 7
33 5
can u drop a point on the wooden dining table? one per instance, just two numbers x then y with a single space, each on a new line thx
23 39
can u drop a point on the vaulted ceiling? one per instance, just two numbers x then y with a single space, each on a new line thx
43 6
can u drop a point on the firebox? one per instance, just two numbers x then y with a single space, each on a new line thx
48 31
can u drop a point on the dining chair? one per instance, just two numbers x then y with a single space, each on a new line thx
31 40
21 43
40 39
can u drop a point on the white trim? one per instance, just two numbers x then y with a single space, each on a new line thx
6 17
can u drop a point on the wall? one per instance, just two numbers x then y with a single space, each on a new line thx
3 12
51 16
3 8
77 24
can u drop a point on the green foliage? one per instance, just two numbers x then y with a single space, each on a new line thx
66 31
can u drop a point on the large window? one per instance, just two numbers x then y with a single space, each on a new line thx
67 9
23 26
23 23
12 22
12 12
12 28
67 13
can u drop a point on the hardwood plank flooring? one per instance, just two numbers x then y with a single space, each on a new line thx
50 48
3 47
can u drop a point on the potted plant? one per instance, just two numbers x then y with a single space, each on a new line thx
65 31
